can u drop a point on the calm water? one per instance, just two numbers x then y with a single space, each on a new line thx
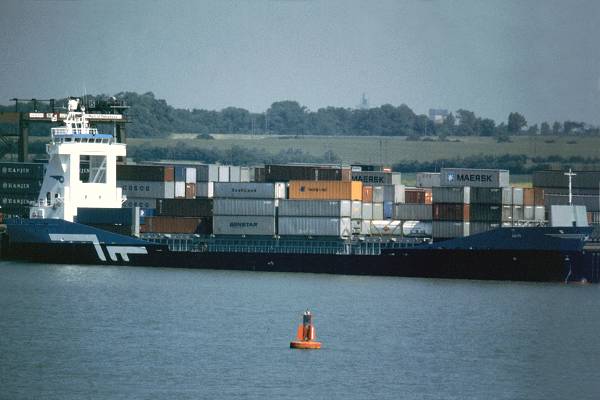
73 332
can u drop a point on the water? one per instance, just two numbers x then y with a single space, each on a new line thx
72 332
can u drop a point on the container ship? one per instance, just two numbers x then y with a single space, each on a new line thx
84 207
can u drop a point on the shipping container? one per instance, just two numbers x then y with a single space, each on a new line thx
126 230
315 208
417 196
382 228
540 213
190 175
259 174
590 202
235 173
15 211
507 196
153 173
450 212
518 214
529 213
506 213
486 195
372 177
185 207
568 216
223 173
306 172
205 189
325 190
356 212
594 218
190 190
417 228
367 194
26 199
122 216
474 177
393 193
243 225
449 229
486 213
528 197
377 210
251 207
179 173
20 186
140 202
315 226
388 210
518 196
428 179
244 174
558 179
167 224
413 212
249 190
148 189
179 190
378 194
367 210
22 171
480 227
459 195
539 196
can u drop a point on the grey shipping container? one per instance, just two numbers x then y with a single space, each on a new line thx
244 174
205 189
314 226
373 177
517 196
16 170
529 213
251 207
378 211
393 193
484 195
315 208
506 213
249 190
474 177
451 195
568 216
23 186
428 179
507 196
540 213
480 227
223 173
486 213
558 179
356 212
590 202
518 214
367 210
243 225
378 193
185 207
235 173
412 212
148 189
450 229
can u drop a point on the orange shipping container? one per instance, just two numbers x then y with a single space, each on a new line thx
539 196
326 190
428 196
528 197
367 194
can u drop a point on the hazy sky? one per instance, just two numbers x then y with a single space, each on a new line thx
539 57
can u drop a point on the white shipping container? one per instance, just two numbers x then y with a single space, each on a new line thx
377 211
254 207
190 175
249 190
356 210
517 196
417 228
529 213
507 195
540 213
396 178
568 216
213 173
315 208
205 189
382 228
179 190
378 194
234 173
243 225
428 179
223 173
474 177
367 210
315 226
148 189
244 174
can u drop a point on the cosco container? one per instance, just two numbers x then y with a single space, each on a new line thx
155 173
315 208
149 189
251 207
140 202
474 177
484 195
449 229
249 190
458 195
325 190
486 213
517 196
17 170
204 189
450 212
243 225
185 207
235 173
413 212
20 186
315 226
223 173
428 179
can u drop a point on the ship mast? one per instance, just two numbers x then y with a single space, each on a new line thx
570 174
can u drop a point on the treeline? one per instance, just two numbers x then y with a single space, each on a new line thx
153 117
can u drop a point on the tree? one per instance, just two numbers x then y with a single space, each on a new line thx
545 129
487 127
556 128
467 123
533 130
287 117
516 122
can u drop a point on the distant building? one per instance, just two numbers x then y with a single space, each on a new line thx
364 103
438 115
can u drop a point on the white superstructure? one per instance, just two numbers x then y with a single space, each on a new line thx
81 171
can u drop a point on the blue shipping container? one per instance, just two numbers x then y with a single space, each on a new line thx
388 210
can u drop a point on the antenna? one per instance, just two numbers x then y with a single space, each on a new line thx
570 174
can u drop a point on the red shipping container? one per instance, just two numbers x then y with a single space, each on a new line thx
451 212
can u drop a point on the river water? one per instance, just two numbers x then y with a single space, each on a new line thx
73 332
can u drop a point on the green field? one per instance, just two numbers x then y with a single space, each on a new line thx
388 150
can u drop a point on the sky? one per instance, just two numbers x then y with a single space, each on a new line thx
537 57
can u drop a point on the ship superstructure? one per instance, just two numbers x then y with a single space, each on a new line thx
81 172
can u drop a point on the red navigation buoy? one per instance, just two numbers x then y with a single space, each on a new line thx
305 338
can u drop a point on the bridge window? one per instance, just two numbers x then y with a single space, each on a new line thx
92 169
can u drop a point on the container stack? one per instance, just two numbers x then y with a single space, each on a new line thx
306 172
490 208
415 213
185 182
20 185
208 174
179 216
246 208
145 184
450 212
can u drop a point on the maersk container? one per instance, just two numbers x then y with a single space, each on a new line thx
428 179
480 227
356 212
417 228
484 195
517 196
388 210
449 229
474 177
249 190
372 177
457 195
325 190
223 173
315 208
540 213
244 174
367 210
179 190
529 213
20 186
17 170
486 213
185 207
205 189
154 173
413 212
314 226
250 207
235 173
244 225
148 189
377 210
507 196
